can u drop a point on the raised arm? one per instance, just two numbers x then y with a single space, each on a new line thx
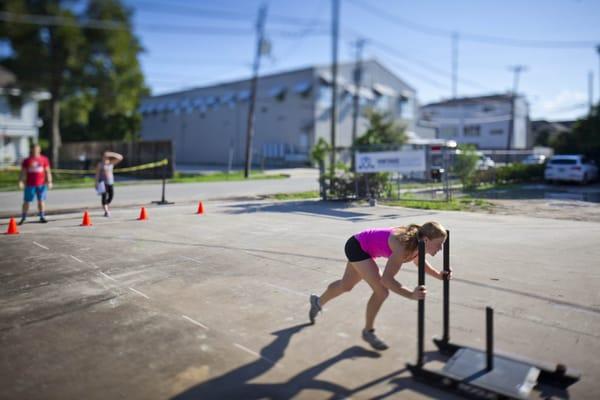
115 157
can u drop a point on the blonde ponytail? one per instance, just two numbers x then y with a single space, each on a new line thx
409 236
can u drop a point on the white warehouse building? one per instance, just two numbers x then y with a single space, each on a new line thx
482 121
207 125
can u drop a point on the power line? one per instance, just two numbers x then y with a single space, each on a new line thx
169 60
188 10
50 20
60 21
420 76
495 40
397 54
295 45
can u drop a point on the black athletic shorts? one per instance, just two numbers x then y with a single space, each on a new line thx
354 252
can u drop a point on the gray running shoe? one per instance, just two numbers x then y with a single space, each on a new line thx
373 340
315 308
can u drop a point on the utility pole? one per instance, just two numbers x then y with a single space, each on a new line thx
591 90
335 14
260 31
454 64
356 98
598 50
517 69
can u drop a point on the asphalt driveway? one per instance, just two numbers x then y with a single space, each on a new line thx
215 306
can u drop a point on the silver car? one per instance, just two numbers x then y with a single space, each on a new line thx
534 159
573 168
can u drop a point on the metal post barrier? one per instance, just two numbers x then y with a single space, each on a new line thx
421 314
163 201
489 319
446 335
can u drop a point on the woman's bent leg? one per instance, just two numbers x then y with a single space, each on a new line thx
349 280
370 273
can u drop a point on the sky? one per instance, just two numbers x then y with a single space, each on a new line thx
195 43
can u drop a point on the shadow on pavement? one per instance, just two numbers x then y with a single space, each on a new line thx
235 384
335 210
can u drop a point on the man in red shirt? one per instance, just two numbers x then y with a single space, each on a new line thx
36 169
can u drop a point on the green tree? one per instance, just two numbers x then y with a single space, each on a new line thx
319 152
583 139
382 130
113 75
86 58
466 164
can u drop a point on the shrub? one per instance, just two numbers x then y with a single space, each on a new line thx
516 173
343 185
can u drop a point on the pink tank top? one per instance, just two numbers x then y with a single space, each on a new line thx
375 242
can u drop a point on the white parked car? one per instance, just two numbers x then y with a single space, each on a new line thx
534 159
484 162
575 168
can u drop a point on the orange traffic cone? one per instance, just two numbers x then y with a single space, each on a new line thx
200 208
12 227
87 221
143 214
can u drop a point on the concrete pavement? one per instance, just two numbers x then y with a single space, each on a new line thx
215 306
60 200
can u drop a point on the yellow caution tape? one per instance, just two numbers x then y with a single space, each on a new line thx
93 171
143 166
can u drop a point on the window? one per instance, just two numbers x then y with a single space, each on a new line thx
278 92
563 161
11 106
448 131
406 108
382 103
497 132
471 130
325 94
303 88
243 95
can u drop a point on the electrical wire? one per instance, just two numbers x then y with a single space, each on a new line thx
187 10
295 45
50 20
395 53
495 40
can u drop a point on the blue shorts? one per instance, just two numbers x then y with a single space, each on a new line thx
35 191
